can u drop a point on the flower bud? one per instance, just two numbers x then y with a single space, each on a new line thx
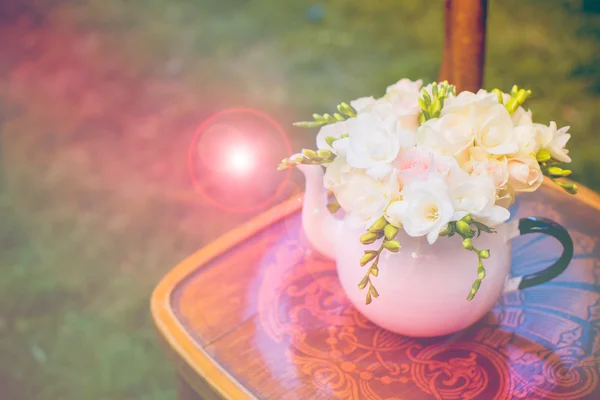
333 206
514 90
484 254
522 96
325 154
373 291
569 187
307 124
374 270
436 108
390 231
499 94
467 244
363 282
328 118
463 228
309 153
346 109
434 90
572 189
480 274
426 96
392 246
543 155
474 290
330 139
467 218
378 225
338 117
368 238
367 258
556 171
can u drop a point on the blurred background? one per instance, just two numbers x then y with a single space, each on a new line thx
109 176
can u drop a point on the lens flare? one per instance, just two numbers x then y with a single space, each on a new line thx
240 160
233 158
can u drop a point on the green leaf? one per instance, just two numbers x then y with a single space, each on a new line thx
483 227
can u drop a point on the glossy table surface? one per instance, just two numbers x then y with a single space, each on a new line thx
258 314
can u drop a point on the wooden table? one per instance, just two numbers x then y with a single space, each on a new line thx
257 314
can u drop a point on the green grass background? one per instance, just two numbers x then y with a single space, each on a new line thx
98 101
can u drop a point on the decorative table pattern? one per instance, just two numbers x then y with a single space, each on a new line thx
258 314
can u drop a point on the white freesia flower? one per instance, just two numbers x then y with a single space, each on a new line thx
526 136
494 131
401 101
525 174
555 141
480 163
450 134
416 162
337 173
521 116
362 103
481 115
405 112
404 88
505 197
335 130
470 105
475 195
363 197
425 208
373 143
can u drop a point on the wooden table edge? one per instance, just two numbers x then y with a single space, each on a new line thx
171 329
183 344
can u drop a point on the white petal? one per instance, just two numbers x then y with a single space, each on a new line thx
379 171
335 130
432 236
497 215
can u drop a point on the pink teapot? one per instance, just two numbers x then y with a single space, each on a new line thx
422 288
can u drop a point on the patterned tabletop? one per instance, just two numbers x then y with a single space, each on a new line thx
260 315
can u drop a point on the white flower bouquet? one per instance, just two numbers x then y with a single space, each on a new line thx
433 163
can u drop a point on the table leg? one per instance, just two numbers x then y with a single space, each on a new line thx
185 391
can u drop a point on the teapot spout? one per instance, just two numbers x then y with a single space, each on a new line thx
320 227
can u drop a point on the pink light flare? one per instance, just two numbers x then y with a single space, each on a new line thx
241 160
233 158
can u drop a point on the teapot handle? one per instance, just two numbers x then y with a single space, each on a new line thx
548 227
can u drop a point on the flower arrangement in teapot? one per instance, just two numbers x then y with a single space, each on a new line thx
432 163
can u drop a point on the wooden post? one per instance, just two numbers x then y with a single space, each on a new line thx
464 43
